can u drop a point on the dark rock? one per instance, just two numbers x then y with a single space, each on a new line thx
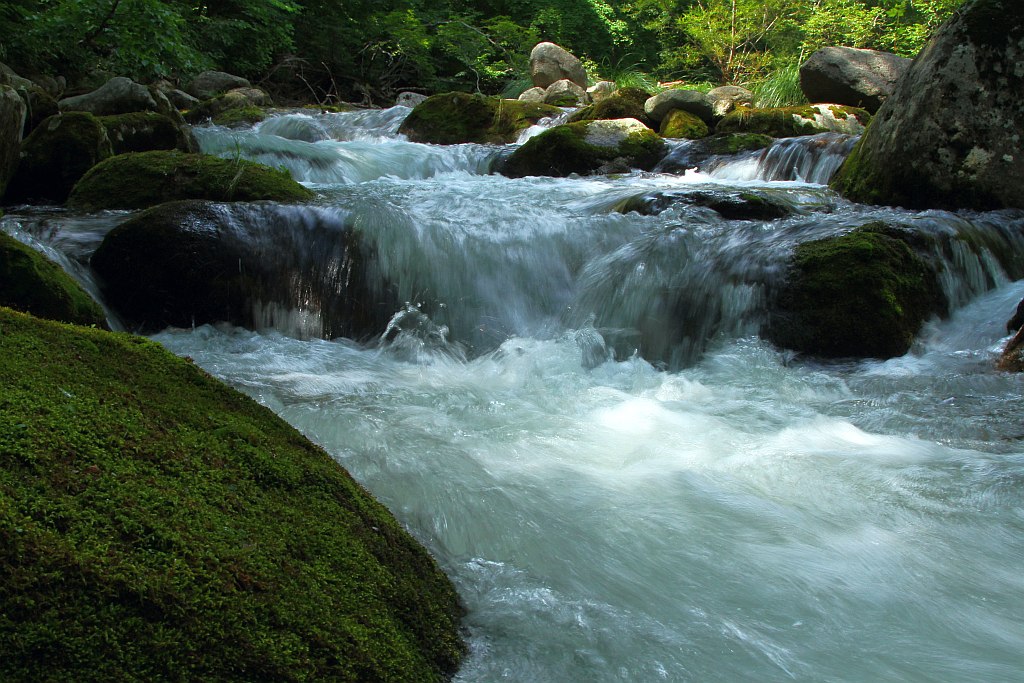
12 123
550 63
729 205
693 101
209 84
851 76
1017 320
453 118
627 103
143 131
949 136
119 95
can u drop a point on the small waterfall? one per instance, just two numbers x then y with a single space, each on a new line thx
543 125
807 159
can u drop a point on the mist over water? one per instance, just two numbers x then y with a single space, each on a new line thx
720 510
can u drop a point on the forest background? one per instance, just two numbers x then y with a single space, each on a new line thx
368 50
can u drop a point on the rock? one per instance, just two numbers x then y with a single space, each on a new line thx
785 122
209 84
695 154
181 100
682 124
565 93
453 118
409 99
730 205
136 181
194 262
534 94
851 76
119 95
238 106
12 123
862 294
692 101
627 103
1012 357
587 147
143 131
1016 321
52 85
31 283
950 135
601 90
56 155
726 98
9 77
40 106
550 63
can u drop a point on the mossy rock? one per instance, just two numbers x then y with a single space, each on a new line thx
455 117
734 143
40 106
156 524
31 283
682 124
627 103
143 131
56 155
862 294
143 179
246 100
587 147
240 116
786 122
730 205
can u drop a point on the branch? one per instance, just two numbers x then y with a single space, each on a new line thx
94 34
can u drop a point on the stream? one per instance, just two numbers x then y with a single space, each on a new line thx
572 410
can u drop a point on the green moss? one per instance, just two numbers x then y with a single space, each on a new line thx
862 294
135 181
622 104
142 131
158 525
562 151
734 143
682 124
240 116
777 122
32 283
453 118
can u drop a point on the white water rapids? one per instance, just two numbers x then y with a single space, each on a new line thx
744 516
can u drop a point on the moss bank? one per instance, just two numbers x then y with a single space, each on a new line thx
784 122
455 117
137 181
158 525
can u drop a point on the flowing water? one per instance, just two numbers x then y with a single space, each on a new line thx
572 410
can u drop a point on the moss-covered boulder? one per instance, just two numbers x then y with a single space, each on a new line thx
587 147
144 131
157 525
143 179
625 103
39 104
56 155
12 123
455 117
195 262
32 283
682 124
238 106
862 294
785 122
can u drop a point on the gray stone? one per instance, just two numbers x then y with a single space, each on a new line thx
181 99
601 90
212 83
119 95
950 134
9 77
533 95
12 121
727 97
693 101
409 99
851 76
565 93
550 63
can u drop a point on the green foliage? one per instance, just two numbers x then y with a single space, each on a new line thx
781 88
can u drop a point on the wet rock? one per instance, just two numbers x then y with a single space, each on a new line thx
209 84
729 205
143 131
949 136
785 122
550 63
627 103
851 76
453 118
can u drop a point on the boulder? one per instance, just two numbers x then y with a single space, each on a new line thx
851 76
601 90
1012 357
12 123
142 131
453 118
950 135
862 294
9 77
193 262
40 106
209 84
31 283
180 99
682 124
785 122
693 101
56 155
603 146
726 98
627 103
729 204
140 180
409 99
550 63
119 95
565 93
696 154
534 94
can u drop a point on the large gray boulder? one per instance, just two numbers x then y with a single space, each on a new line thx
726 98
693 101
550 63
12 121
851 76
119 95
950 134
212 83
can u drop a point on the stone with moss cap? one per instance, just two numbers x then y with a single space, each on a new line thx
950 136
31 283
625 103
862 294
455 117
604 146
143 131
140 180
682 124
156 524
785 122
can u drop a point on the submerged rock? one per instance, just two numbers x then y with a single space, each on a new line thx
862 294
453 118
603 146
31 283
950 134
729 205
851 76
785 122
550 63
140 180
